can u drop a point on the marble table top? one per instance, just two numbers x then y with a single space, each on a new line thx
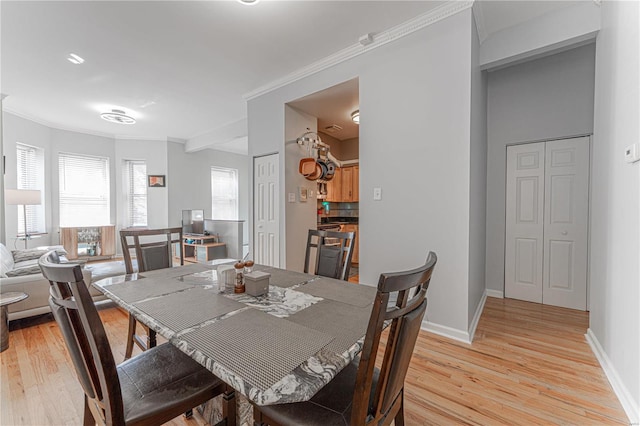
284 302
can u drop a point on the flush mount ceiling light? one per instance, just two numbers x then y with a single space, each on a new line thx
249 2
75 59
355 116
118 116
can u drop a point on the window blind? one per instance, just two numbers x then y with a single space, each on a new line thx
224 193
84 190
28 178
136 179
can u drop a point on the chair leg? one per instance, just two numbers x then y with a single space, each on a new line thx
130 336
399 419
87 419
257 417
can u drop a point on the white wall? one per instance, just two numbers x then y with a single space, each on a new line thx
615 224
550 97
415 115
154 153
189 181
301 215
478 180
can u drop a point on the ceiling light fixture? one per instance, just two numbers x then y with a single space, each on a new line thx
355 116
75 59
249 2
118 116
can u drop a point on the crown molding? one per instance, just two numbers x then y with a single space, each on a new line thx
478 16
449 8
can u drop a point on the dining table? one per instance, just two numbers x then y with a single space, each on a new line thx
277 348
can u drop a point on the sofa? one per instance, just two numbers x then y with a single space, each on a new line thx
19 271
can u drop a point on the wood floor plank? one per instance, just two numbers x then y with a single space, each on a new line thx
529 364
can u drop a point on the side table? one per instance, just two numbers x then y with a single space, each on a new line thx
7 299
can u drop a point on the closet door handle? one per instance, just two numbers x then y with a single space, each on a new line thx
564 232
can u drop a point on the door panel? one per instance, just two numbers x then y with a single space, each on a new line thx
266 210
566 223
524 223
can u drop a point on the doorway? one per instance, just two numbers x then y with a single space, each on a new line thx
547 206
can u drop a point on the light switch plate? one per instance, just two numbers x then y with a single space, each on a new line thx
632 153
377 194
292 197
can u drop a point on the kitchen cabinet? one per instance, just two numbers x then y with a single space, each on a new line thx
344 187
334 187
355 257
83 242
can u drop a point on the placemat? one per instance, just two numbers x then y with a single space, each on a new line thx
271 347
133 291
187 308
346 323
283 278
178 271
340 291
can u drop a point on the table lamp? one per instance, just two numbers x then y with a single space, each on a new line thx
24 198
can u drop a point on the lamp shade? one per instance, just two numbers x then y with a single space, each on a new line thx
23 197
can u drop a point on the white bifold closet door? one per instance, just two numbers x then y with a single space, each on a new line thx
547 205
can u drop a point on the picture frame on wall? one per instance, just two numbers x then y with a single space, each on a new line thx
156 181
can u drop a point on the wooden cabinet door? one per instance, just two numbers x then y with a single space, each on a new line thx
356 183
334 187
108 240
347 184
69 240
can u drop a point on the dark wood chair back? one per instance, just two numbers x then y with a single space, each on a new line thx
152 248
409 290
332 252
85 338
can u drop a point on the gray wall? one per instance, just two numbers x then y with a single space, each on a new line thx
478 179
415 114
550 97
615 211
301 215
189 181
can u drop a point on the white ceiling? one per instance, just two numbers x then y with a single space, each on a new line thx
182 67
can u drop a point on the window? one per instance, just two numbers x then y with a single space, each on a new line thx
30 169
84 190
224 193
136 192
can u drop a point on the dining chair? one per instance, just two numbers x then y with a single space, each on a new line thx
361 394
332 252
152 248
150 389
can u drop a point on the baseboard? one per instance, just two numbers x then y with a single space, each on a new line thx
628 404
476 316
443 330
498 294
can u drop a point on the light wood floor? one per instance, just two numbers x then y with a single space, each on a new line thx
529 364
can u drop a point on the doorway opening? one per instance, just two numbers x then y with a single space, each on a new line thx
332 115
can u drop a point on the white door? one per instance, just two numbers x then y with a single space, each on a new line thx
546 222
566 223
266 217
524 222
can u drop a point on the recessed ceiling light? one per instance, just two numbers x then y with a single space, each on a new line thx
249 2
355 116
75 59
118 116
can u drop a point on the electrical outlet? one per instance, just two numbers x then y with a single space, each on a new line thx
292 197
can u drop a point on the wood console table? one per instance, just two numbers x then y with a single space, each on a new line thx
105 236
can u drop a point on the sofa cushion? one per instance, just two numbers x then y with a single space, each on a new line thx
26 267
6 260
30 254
